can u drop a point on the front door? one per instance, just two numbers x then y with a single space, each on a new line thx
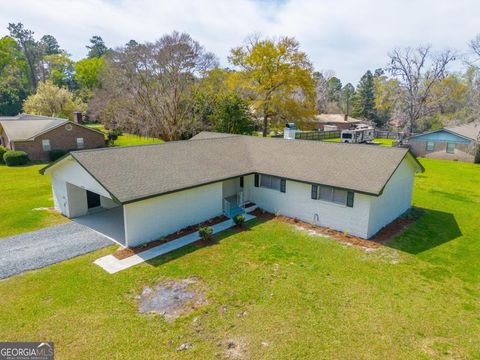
93 200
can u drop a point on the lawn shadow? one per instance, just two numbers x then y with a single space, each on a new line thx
432 229
197 245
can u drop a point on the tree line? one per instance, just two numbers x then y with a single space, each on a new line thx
173 87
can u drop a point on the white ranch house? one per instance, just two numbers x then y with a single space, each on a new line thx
135 195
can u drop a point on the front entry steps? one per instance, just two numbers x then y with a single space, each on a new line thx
113 265
237 210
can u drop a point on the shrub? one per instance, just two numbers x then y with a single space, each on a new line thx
205 232
15 158
477 155
239 220
56 154
113 135
2 151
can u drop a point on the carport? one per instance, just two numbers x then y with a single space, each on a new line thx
107 222
80 197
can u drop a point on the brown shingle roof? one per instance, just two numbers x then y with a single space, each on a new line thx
471 130
27 127
336 118
134 173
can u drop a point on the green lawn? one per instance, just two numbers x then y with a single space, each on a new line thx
23 189
304 296
383 142
128 139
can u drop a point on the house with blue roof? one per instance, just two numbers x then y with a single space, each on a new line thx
459 143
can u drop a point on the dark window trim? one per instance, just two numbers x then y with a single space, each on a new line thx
241 181
283 185
314 192
257 180
350 198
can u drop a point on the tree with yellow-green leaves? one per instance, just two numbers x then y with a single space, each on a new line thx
51 100
276 80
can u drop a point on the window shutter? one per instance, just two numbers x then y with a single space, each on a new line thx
283 185
350 196
241 181
314 192
256 180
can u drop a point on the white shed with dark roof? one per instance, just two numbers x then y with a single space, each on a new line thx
151 191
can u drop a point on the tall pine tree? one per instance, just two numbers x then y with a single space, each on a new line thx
364 103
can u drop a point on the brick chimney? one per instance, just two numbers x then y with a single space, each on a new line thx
77 117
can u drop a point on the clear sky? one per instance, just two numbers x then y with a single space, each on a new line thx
346 36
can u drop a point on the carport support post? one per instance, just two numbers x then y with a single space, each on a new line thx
125 226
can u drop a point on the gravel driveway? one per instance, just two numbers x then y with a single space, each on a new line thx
48 246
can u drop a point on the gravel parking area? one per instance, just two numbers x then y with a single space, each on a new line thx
48 246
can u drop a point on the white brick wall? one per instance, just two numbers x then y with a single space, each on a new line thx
297 202
153 218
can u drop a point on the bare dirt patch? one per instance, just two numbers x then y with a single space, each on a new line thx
236 348
172 298
126 252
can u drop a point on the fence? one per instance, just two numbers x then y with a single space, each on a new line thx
317 135
384 134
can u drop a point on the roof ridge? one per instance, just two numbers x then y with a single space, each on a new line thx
112 148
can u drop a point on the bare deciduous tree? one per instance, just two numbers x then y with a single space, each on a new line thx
322 90
475 45
417 70
473 79
147 89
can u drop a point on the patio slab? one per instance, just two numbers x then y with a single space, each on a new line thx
113 265
108 223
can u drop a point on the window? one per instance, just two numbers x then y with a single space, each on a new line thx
326 193
80 143
272 182
339 196
331 194
241 181
450 148
430 146
46 145
256 180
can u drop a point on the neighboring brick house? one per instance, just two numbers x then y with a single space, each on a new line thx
37 135
459 143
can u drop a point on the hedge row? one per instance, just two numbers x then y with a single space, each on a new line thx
15 158
2 152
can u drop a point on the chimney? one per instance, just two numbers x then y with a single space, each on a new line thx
77 117
289 131
345 117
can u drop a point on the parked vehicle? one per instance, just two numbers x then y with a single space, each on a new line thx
358 134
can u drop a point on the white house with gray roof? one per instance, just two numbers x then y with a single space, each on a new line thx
138 194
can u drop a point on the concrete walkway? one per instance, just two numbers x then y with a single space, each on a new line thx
48 246
112 265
